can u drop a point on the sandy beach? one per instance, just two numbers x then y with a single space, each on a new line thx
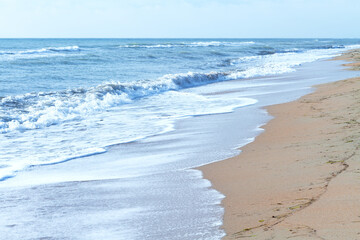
179 120
300 179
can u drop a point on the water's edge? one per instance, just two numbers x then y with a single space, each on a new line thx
142 204
313 88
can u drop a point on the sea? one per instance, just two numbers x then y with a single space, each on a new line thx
100 138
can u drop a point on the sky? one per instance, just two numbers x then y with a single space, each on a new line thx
179 18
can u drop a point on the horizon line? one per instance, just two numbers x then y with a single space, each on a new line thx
179 37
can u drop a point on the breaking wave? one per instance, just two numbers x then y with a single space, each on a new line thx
38 53
38 110
192 44
42 50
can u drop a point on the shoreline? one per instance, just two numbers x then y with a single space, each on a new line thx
290 181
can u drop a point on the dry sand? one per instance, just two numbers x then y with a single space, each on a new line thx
300 179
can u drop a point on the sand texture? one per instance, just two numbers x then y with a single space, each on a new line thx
300 179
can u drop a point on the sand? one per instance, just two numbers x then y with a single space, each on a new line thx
300 179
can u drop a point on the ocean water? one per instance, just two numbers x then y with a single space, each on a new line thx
138 114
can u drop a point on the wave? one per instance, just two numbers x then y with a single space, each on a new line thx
274 51
160 116
329 47
217 44
42 51
265 50
38 110
192 44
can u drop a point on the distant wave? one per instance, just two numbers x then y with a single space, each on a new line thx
41 51
273 51
216 44
329 47
192 44
265 50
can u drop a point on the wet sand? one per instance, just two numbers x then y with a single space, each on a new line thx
300 179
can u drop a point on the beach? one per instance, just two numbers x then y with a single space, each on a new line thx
179 120
88 155
300 179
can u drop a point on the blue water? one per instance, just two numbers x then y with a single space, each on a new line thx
64 99
95 88
44 65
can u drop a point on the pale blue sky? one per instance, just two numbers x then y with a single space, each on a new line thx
180 18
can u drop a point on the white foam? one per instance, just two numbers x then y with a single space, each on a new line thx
279 63
38 110
191 44
94 123
217 44
38 53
